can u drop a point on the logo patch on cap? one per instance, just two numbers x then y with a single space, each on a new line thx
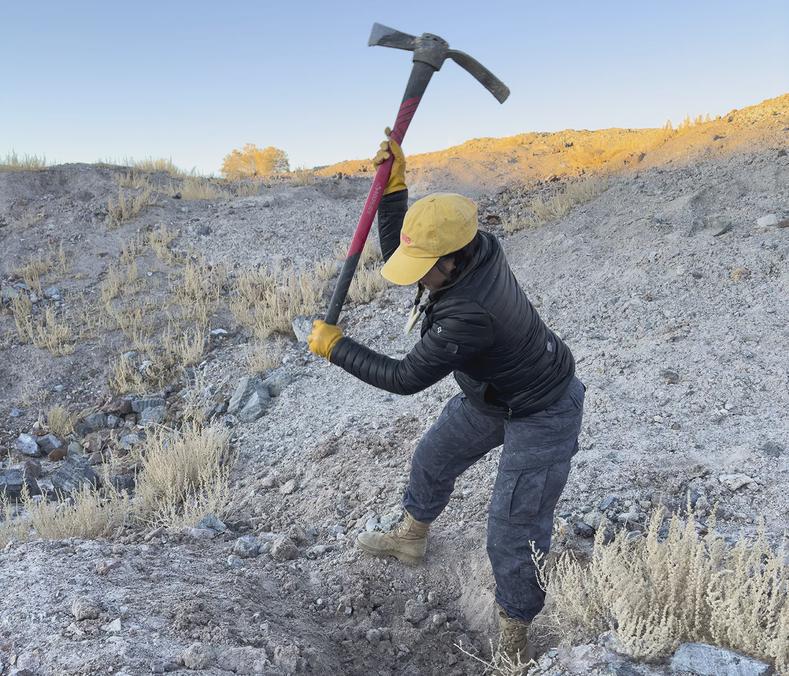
405 238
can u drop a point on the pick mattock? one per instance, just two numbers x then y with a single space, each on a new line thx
430 51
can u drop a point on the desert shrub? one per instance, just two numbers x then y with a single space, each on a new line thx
659 591
183 475
366 284
252 161
59 421
127 206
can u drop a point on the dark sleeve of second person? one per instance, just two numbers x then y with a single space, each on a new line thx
391 212
460 332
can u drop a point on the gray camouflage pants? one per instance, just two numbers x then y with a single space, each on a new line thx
533 470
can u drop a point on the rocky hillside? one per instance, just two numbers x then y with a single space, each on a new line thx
118 323
486 164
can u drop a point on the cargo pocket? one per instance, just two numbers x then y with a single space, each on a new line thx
518 491
525 493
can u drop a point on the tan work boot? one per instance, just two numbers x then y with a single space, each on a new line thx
513 648
407 542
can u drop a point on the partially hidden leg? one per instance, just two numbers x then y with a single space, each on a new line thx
459 437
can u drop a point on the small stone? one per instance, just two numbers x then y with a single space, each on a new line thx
371 524
607 502
415 611
49 443
57 454
283 549
289 487
277 382
15 412
153 415
593 518
140 404
735 481
317 551
247 547
118 406
212 522
96 421
104 567
113 627
52 293
72 474
671 377
302 326
198 656
84 608
234 561
767 220
128 441
254 408
201 533
113 421
707 660
583 529
26 445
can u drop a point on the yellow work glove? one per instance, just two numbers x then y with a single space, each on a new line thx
387 149
323 338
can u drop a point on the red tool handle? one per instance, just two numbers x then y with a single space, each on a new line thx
417 83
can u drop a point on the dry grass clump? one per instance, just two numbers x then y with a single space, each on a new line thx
199 289
135 179
14 162
182 348
302 177
125 378
326 269
127 206
153 165
53 335
658 592
560 203
60 421
248 188
262 357
266 302
22 310
499 664
198 188
160 241
47 333
183 475
31 271
117 280
366 284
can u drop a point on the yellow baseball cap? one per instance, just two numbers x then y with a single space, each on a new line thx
434 226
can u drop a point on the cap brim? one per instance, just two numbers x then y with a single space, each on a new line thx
405 270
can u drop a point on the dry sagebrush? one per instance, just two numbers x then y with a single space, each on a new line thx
658 592
182 477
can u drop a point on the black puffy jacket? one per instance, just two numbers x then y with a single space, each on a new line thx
482 327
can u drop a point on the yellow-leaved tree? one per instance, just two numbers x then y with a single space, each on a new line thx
252 161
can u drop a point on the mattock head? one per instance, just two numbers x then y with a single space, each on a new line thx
433 50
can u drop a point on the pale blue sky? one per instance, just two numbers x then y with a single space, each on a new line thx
192 80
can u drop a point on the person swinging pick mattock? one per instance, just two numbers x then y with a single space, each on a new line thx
518 387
